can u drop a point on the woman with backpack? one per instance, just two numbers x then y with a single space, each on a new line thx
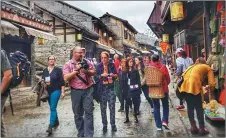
144 87
53 78
134 89
165 104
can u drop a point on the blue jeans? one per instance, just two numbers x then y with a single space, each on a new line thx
165 105
53 100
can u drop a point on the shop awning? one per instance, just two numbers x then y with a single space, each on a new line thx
38 33
9 29
155 52
145 52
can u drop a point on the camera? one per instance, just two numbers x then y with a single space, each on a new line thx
84 65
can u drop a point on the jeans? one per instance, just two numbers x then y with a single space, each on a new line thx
108 96
3 100
82 106
145 90
53 101
165 105
194 102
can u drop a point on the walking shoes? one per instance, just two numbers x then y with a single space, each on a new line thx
180 107
165 125
203 131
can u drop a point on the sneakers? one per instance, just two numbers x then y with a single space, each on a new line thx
165 125
180 107
159 129
203 131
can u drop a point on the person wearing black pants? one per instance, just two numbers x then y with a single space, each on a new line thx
134 90
145 90
194 102
194 78
140 67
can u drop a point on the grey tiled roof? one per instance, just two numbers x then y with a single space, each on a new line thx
54 10
144 39
9 7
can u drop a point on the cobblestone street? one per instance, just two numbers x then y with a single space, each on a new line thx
32 121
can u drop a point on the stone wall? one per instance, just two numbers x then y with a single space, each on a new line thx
60 50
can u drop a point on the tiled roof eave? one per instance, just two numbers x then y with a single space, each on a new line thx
7 7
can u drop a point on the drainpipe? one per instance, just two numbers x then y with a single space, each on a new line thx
207 33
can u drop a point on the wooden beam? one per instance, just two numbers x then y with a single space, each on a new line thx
63 27
50 20
68 33
65 38
54 26
60 25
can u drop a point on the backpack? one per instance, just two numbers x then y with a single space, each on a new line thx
20 67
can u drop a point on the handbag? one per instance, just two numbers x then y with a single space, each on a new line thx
180 95
181 78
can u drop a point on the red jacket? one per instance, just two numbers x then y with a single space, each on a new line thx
117 64
166 75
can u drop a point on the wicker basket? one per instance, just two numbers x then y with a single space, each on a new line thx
156 92
153 76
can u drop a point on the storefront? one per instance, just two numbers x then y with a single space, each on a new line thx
17 36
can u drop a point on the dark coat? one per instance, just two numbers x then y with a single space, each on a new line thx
100 70
123 83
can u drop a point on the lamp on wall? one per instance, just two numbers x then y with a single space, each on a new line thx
110 38
79 36
40 41
176 11
165 38
104 34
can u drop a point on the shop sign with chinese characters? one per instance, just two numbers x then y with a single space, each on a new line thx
21 20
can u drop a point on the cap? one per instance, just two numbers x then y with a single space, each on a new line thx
179 50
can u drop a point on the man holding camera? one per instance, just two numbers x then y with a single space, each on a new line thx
78 72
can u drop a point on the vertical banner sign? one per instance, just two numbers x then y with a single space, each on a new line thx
164 46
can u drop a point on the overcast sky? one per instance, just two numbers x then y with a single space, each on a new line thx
136 12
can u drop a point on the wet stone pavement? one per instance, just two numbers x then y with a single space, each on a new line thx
32 121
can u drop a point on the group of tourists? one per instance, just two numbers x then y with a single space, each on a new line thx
129 72
82 74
